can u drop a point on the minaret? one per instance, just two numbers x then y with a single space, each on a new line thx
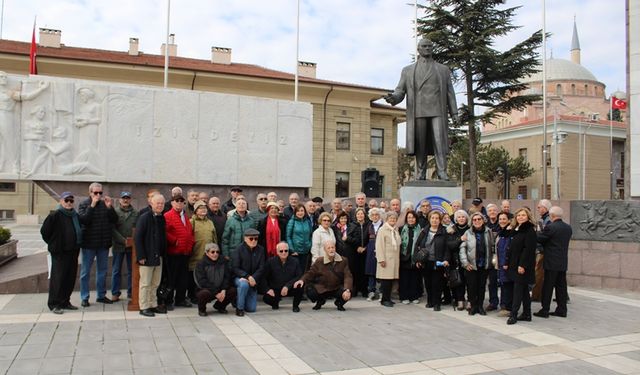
575 44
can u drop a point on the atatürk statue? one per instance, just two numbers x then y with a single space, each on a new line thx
430 96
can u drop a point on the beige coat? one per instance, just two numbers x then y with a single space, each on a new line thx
388 249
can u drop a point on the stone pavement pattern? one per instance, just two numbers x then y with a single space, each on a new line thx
601 336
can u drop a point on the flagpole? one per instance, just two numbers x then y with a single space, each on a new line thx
2 19
166 47
415 31
611 177
295 84
544 100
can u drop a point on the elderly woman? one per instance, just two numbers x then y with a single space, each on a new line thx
204 232
357 240
522 261
503 241
273 230
376 216
434 239
409 288
320 235
476 252
388 257
340 233
456 231
299 231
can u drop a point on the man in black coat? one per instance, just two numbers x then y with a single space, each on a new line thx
214 279
248 266
280 273
98 218
555 238
151 245
215 214
63 235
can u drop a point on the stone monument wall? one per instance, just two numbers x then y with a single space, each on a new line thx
55 129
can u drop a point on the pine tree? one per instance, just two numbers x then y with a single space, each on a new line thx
464 33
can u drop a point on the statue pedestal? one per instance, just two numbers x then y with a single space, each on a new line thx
416 191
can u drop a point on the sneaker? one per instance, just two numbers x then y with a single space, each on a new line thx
416 301
370 296
57 310
405 302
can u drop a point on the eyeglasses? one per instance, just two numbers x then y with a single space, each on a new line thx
97 193
262 199
478 219
283 251
326 220
179 200
252 238
68 200
214 251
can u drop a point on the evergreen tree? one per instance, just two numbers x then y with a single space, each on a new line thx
464 33
492 158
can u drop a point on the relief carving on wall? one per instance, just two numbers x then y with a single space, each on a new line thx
606 220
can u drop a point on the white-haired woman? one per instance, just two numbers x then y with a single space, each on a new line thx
376 215
388 257
459 226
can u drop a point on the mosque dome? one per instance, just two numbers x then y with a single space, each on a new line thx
562 70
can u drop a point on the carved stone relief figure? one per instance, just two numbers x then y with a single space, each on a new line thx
87 121
34 135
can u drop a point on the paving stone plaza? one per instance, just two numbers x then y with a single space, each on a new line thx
600 336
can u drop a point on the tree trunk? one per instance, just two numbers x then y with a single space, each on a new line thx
473 168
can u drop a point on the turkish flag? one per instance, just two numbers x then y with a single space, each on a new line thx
618 103
33 68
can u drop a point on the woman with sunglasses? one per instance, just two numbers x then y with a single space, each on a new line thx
476 252
320 235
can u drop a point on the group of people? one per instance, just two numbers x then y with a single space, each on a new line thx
196 250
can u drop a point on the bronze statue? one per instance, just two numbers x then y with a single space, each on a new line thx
430 96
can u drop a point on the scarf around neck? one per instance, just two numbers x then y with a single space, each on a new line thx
76 221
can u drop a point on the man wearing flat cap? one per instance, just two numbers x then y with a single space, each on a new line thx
122 244
63 235
231 203
248 266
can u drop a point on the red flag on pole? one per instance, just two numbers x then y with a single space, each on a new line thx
33 68
618 103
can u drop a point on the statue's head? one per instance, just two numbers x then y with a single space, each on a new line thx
3 78
425 47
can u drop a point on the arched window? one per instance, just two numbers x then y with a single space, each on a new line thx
559 89
586 90
573 89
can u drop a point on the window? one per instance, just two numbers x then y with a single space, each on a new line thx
7 214
343 136
523 152
7 187
586 90
546 155
482 192
377 141
342 184
573 89
522 191
559 89
467 194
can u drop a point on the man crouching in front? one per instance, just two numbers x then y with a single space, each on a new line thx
329 276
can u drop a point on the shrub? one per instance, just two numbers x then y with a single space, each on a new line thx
5 235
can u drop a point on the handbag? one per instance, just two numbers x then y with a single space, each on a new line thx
455 279
421 255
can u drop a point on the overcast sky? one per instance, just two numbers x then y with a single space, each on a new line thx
364 42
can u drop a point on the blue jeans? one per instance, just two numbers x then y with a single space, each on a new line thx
493 287
116 266
247 296
102 256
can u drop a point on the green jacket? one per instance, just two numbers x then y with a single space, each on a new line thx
233 232
204 232
124 228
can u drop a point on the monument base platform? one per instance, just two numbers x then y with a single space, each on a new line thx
416 191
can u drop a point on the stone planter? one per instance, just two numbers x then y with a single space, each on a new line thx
8 251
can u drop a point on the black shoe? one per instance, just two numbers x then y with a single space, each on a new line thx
104 300
386 303
194 301
239 312
296 309
147 312
481 311
554 313
541 314
69 306
159 309
429 305
473 311
169 306
221 310
85 303
340 307
524 318
275 306
512 320
184 303
202 313
57 310
318 305
436 308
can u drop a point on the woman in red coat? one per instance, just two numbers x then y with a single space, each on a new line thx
179 247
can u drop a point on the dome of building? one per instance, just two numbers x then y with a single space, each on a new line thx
562 70
619 94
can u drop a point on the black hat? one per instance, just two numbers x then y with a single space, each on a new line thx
236 188
476 201
177 197
316 200
125 194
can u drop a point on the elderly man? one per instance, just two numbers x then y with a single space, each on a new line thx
505 206
555 238
151 246
361 202
214 279
289 210
425 208
180 243
98 218
261 212
61 231
122 244
336 209
203 196
373 204
215 214
329 276
394 206
248 261
231 203
272 196
280 273
543 207
235 227
192 198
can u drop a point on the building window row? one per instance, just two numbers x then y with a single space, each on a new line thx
343 138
